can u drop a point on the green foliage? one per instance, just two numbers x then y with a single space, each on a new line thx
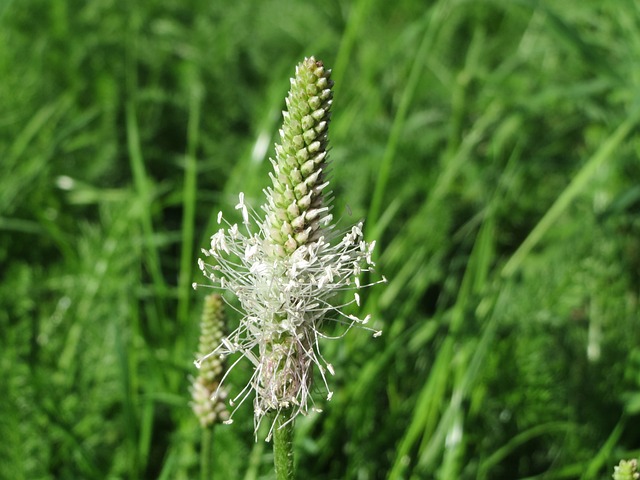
491 147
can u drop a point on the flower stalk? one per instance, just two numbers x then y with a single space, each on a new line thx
283 446
286 266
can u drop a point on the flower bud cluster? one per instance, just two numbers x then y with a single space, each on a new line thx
296 207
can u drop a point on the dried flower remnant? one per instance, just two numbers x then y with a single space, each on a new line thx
285 268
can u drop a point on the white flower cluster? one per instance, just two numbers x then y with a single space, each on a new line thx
284 300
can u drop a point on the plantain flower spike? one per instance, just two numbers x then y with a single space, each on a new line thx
208 397
286 265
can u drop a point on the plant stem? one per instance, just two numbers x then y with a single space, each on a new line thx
206 452
283 446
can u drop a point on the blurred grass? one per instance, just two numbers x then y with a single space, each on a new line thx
492 147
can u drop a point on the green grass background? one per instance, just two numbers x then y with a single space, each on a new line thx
491 146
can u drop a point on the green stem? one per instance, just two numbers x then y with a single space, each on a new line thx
206 451
283 446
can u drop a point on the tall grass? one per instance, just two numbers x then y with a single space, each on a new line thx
491 147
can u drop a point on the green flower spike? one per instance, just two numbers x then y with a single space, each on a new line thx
208 397
286 268
296 206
